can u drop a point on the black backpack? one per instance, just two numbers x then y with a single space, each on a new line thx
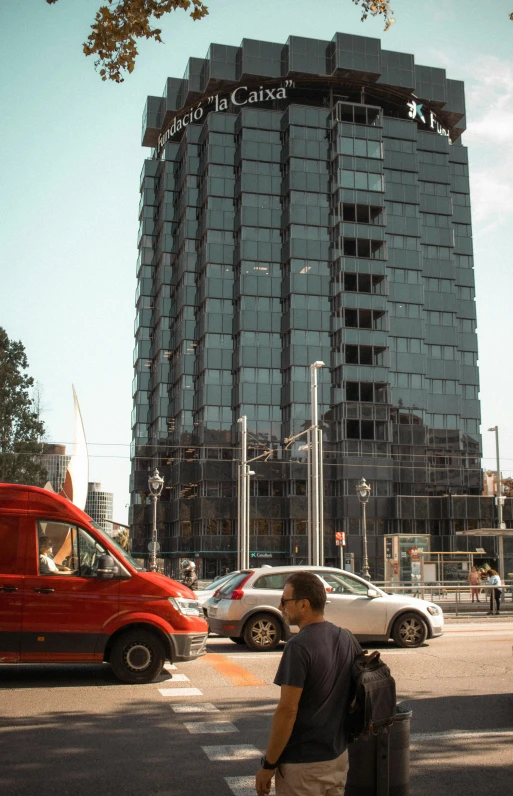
372 699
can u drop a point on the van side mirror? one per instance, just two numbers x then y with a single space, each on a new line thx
372 593
107 567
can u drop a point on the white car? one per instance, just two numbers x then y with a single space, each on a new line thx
246 609
204 595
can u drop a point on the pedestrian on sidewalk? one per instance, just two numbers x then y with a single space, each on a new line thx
495 592
474 579
307 747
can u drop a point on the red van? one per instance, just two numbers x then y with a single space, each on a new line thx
70 594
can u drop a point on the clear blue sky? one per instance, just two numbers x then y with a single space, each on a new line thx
71 159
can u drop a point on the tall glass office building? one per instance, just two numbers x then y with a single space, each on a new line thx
305 201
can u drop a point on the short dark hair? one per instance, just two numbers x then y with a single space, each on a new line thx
308 586
45 541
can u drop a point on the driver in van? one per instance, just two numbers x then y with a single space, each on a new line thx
47 565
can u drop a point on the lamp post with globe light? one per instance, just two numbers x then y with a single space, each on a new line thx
156 484
363 490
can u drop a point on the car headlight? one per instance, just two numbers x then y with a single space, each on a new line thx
186 607
434 610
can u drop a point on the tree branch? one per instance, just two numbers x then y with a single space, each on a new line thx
119 24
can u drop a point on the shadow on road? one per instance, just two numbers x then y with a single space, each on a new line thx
136 745
139 748
461 745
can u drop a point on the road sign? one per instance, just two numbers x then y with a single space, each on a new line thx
153 547
340 538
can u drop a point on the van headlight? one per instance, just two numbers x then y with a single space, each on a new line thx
186 607
434 610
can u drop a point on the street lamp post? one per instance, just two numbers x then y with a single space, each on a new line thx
315 481
243 495
363 490
316 477
156 484
500 523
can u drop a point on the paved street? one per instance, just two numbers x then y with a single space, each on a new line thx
202 727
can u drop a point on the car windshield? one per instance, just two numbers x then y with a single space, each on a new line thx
121 550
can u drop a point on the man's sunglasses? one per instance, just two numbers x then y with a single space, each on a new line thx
290 600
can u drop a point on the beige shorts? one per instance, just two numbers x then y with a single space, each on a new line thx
313 779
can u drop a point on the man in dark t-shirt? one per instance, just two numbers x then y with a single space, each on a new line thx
307 748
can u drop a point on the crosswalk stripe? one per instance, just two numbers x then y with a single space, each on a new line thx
245 786
199 707
448 734
199 727
234 752
169 666
180 678
180 692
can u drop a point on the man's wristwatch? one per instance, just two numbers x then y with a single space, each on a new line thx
267 765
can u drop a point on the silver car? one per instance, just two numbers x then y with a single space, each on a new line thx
204 595
246 609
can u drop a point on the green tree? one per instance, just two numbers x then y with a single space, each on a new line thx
21 430
123 539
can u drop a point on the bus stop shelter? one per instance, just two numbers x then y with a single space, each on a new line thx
505 546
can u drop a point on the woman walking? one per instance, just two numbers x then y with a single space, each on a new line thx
474 579
495 592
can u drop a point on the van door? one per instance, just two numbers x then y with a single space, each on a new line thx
12 543
66 607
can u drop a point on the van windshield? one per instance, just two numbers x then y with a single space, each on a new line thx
121 550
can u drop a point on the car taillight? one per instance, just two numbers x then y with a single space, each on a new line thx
238 593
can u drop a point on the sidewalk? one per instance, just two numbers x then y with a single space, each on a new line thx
467 609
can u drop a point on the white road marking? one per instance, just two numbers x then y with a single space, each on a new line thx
180 692
448 734
236 752
245 786
265 656
480 634
169 666
197 727
199 707
384 653
491 626
262 656
179 678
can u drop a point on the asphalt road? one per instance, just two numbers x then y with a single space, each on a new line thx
76 731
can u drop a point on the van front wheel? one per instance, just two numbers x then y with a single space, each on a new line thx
137 657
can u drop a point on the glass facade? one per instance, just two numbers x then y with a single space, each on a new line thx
55 461
303 202
99 506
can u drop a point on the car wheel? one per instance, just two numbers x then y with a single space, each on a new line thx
137 656
263 632
237 639
410 630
